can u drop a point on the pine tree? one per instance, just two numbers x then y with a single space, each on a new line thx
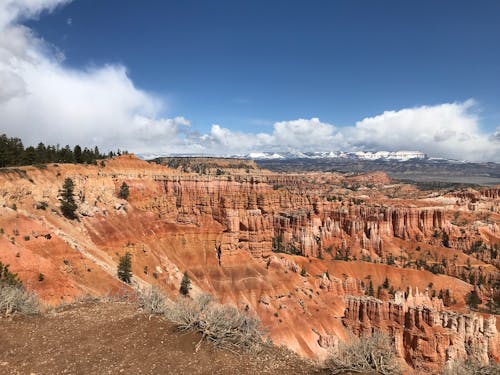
125 268
472 299
185 285
371 291
68 205
77 152
7 277
386 283
124 192
446 239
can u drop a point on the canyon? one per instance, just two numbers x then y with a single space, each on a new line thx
317 256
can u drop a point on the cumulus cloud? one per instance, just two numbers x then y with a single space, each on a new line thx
445 130
43 99
302 134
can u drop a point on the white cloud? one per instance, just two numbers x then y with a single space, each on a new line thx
42 99
445 130
14 10
302 134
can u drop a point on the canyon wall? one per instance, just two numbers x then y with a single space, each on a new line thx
298 250
425 334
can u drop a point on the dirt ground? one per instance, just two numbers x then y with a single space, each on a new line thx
116 338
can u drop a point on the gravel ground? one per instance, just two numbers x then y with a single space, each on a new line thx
116 338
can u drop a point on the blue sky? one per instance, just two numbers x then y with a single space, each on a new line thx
250 63
248 66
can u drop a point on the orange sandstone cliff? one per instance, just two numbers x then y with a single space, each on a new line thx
316 256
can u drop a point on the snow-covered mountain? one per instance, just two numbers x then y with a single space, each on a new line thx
362 155
287 155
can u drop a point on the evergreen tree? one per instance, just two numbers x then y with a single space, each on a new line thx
30 156
125 268
77 151
385 285
371 291
185 285
68 204
67 155
445 239
481 280
123 193
41 153
472 299
13 153
7 277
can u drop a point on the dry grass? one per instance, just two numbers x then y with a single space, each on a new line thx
14 299
373 354
223 325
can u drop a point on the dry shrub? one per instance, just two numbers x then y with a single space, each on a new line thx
152 301
370 354
14 298
471 367
123 294
223 325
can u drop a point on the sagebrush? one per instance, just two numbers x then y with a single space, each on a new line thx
223 325
368 354
14 299
153 301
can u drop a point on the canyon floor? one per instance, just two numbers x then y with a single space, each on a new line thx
117 338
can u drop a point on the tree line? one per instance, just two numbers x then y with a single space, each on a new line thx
13 153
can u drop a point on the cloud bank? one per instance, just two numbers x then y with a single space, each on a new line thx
448 130
42 99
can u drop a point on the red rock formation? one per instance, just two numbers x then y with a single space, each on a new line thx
176 222
425 334
253 213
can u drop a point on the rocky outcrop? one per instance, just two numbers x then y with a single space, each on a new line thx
425 335
253 213
491 193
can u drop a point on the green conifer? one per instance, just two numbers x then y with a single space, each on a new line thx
68 204
125 268
185 285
